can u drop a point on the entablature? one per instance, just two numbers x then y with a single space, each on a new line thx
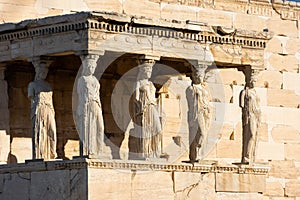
98 32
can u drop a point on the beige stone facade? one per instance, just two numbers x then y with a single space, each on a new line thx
227 35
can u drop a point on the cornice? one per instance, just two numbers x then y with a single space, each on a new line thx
115 23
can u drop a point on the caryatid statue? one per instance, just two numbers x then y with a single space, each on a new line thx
199 114
251 116
42 114
89 111
146 119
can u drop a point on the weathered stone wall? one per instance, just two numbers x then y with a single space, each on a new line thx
41 180
93 180
278 85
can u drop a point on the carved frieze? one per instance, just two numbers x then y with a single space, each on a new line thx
253 58
266 35
227 53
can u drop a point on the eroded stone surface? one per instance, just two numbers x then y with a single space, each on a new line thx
274 189
114 187
292 152
292 188
152 188
194 186
11 181
283 98
279 169
285 134
50 185
270 151
240 183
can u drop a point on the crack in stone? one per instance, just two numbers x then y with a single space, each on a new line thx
188 188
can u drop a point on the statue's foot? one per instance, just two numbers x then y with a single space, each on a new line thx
245 161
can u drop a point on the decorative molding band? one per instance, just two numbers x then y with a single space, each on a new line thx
40 165
244 38
82 163
241 169
41 31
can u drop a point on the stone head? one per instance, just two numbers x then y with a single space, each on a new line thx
41 71
89 66
198 76
252 83
145 69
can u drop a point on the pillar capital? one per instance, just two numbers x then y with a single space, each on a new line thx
41 61
251 73
147 57
86 53
92 57
152 57
254 74
199 64
199 67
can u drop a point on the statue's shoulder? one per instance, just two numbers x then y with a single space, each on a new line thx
81 79
189 91
151 84
32 84
243 92
47 85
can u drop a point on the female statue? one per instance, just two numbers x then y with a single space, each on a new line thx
42 115
146 117
199 115
89 112
249 102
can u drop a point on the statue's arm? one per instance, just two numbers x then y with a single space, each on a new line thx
208 98
242 99
191 103
82 97
30 90
152 98
258 111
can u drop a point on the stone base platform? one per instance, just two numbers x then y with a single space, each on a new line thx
98 179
